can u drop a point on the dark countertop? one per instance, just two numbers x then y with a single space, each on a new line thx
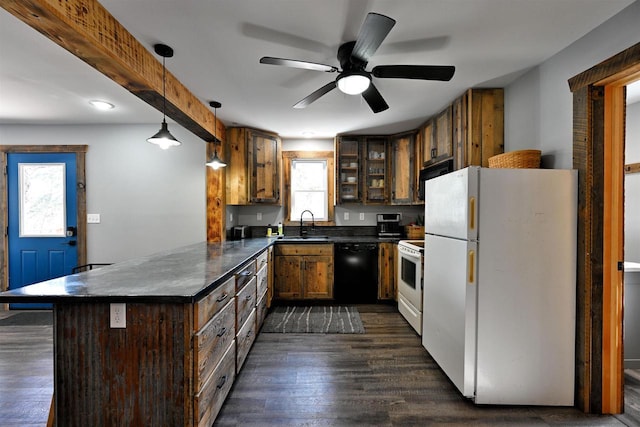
182 275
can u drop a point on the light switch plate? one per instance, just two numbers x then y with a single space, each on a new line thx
361 216
93 218
259 216
346 216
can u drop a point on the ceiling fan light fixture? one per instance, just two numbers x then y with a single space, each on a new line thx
163 138
353 83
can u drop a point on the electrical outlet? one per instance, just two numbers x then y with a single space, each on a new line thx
118 315
346 216
361 216
93 218
259 216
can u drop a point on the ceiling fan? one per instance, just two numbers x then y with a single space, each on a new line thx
353 57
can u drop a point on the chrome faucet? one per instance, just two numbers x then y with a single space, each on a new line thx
304 232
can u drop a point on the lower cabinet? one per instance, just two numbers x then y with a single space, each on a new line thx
387 270
303 271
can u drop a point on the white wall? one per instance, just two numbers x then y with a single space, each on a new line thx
632 186
149 199
538 105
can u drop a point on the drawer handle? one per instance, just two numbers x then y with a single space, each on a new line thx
223 297
246 273
222 332
221 382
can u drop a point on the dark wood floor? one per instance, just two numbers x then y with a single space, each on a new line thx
383 377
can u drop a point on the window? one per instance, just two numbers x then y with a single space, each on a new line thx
309 176
42 199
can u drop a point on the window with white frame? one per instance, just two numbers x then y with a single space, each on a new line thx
309 188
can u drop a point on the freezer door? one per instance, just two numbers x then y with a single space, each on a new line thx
449 308
451 203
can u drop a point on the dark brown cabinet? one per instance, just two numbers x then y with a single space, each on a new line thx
348 176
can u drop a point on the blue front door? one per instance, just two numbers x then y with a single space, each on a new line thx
42 210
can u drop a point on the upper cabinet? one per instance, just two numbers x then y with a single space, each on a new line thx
478 127
376 170
348 164
403 172
254 170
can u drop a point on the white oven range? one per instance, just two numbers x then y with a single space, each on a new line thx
410 261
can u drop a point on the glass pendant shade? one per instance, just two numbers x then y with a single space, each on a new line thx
163 138
354 83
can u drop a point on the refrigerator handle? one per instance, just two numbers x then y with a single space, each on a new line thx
472 213
471 265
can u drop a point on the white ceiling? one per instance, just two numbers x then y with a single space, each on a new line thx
218 43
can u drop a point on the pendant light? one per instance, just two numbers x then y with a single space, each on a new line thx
215 163
163 138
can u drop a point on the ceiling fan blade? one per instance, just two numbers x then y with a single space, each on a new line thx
316 95
421 72
305 65
374 30
374 99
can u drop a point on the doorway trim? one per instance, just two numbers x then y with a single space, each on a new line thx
598 155
80 152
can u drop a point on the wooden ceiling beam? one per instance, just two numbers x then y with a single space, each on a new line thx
87 30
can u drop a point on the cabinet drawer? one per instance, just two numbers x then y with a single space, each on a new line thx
246 336
305 249
262 260
246 274
209 400
208 306
261 311
211 342
245 302
262 281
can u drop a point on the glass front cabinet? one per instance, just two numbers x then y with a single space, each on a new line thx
348 177
376 170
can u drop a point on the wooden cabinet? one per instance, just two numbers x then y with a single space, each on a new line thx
245 318
478 127
214 351
376 170
303 271
387 270
403 174
254 168
436 136
348 153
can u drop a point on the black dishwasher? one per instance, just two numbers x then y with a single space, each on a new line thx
356 273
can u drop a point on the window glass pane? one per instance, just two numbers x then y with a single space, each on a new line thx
42 199
309 189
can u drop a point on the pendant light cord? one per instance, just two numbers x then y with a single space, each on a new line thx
164 91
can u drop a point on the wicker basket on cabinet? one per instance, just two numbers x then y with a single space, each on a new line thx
516 159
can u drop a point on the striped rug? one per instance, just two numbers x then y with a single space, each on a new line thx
313 320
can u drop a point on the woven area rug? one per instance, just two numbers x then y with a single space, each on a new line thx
314 320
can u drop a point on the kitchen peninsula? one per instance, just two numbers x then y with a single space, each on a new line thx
190 318
175 360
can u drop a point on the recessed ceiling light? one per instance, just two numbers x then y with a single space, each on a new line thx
101 105
308 134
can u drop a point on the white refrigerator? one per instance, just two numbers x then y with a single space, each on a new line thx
499 283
